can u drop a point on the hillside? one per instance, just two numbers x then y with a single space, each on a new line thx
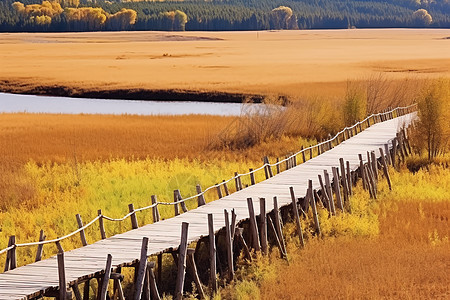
88 15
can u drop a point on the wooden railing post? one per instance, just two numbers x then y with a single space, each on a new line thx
253 226
236 181
212 253
82 234
141 270
105 279
155 210
263 225
101 224
182 251
134 222
201 198
225 188
219 191
337 189
229 245
40 247
252 177
297 217
11 259
62 277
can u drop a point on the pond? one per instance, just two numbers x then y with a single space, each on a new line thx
14 103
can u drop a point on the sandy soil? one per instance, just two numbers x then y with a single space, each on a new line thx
239 62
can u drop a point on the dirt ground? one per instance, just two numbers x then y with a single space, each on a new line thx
288 62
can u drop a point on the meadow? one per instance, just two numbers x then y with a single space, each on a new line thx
395 247
290 62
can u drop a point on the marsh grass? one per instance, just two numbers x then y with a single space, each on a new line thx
395 247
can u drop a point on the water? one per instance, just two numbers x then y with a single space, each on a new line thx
12 103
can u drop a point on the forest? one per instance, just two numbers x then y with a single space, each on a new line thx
101 15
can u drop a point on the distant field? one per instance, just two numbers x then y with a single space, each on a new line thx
289 62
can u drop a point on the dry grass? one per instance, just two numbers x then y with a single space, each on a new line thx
296 63
408 259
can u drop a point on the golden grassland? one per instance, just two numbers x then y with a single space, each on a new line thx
54 166
396 247
288 62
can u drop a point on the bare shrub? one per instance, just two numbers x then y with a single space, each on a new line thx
257 123
354 104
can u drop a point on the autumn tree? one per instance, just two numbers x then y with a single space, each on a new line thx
122 20
281 16
86 18
174 20
40 14
422 17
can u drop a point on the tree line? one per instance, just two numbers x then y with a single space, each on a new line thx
92 15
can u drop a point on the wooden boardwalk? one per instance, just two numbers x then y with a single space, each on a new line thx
34 279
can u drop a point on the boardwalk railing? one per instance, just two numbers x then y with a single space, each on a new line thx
289 161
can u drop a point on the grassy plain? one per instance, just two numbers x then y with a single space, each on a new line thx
287 62
398 248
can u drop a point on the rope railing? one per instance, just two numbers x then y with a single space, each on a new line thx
398 111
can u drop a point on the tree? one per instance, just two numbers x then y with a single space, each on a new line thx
122 19
174 20
180 20
422 17
280 17
433 111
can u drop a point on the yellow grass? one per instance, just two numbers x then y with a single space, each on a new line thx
408 258
287 62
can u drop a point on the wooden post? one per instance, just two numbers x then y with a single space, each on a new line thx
388 156
277 220
82 234
252 177
59 247
40 246
337 189
229 245
329 192
219 191
310 153
294 159
152 281
374 164
225 187
385 168
134 222
303 155
297 217
394 151
243 243
194 273
313 206
11 256
175 201
344 179
236 181
101 224
266 171
62 277
76 291
233 223
319 148
106 276
269 168
253 227
263 225
373 182
405 136
182 250
201 198
277 239
361 170
86 289
182 203
349 179
155 210
325 194
278 166
141 270
212 253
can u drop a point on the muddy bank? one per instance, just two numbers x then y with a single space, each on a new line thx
128 94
